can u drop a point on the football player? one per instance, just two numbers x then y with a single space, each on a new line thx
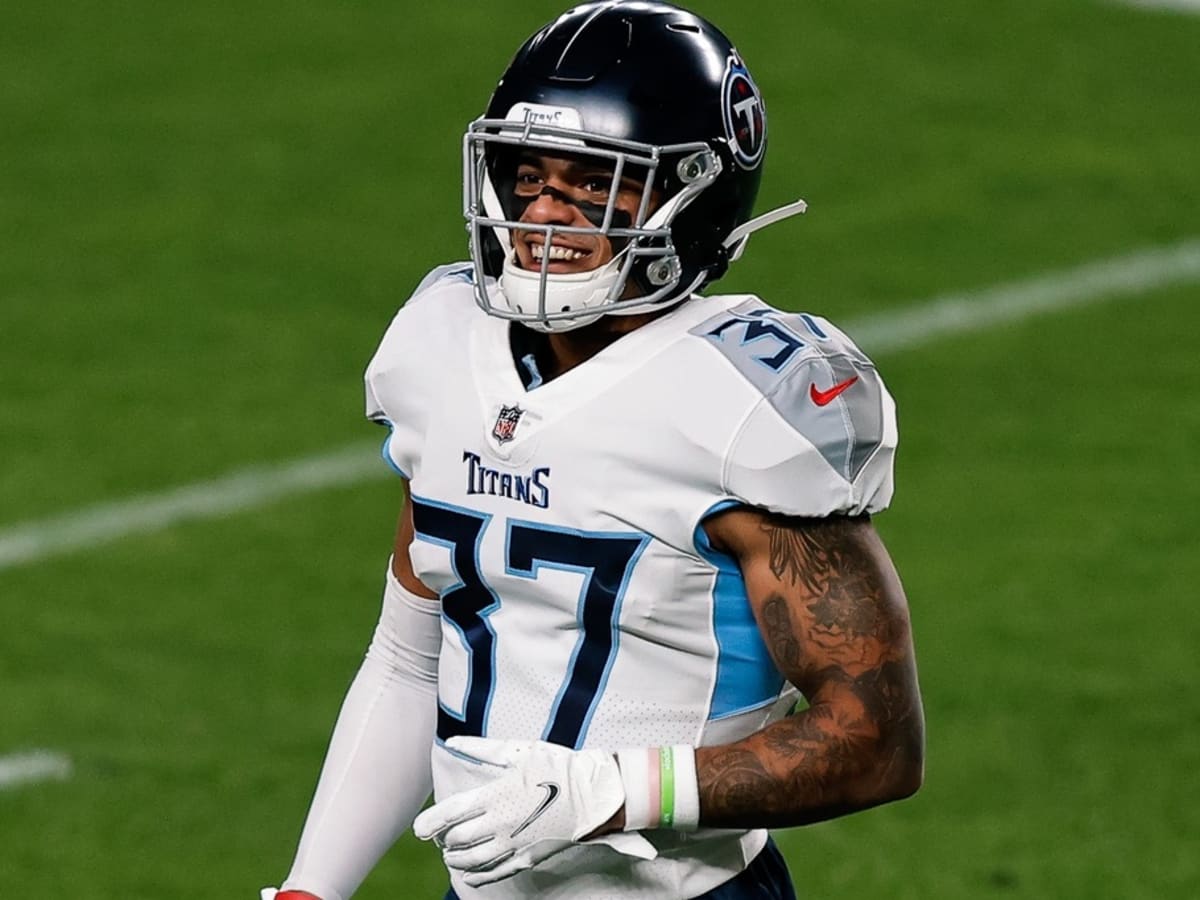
637 613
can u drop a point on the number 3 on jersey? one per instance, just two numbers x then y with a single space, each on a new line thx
605 561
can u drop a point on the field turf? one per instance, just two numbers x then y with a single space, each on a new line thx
208 213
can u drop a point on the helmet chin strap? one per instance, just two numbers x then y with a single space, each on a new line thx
740 236
582 292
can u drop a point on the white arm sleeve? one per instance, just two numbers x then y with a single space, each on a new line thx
377 773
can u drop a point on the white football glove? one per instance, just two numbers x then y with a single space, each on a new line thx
545 798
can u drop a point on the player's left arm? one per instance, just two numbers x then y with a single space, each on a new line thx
835 620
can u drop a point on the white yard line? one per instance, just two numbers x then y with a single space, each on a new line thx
18 769
1184 6
252 488
1086 285
240 490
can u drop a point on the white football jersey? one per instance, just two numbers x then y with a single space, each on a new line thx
561 526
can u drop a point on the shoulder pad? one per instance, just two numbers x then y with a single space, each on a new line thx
814 378
463 272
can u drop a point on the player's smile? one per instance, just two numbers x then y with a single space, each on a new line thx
564 257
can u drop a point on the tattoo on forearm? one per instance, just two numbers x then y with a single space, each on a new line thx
836 632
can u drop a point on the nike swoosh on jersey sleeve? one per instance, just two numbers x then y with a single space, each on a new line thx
822 438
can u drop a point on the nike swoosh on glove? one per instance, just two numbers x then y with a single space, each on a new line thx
544 799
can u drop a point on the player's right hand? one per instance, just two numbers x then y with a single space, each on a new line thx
544 798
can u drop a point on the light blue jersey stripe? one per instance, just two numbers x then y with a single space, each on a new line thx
386 451
746 676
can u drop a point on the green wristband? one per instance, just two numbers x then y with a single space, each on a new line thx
666 771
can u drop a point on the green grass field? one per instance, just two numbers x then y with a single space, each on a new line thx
208 213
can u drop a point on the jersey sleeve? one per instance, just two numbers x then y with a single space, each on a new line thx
821 440
395 395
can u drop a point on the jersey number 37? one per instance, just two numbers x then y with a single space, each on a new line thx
605 560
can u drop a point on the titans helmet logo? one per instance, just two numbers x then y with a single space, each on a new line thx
745 115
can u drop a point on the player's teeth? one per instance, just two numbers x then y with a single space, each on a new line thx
563 253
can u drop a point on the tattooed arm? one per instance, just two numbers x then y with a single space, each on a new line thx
833 615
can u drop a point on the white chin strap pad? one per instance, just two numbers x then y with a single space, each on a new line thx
521 291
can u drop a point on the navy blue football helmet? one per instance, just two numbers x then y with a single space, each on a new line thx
652 93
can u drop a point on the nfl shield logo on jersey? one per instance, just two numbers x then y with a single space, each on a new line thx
506 423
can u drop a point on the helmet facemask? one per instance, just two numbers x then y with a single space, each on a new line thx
645 271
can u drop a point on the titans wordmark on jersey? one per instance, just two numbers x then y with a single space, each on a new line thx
561 527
